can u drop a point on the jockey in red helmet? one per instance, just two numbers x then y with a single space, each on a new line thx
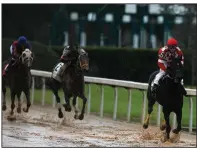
165 56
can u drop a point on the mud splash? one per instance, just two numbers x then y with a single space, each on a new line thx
42 128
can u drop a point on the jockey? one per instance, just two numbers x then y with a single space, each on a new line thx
65 60
165 55
16 50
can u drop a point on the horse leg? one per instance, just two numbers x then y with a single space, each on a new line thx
179 118
67 102
75 108
151 103
12 102
27 94
19 102
81 116
60 114
167 119
3 95
54 86
163 125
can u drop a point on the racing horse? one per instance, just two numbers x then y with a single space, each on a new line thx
72 83
169 94
19 80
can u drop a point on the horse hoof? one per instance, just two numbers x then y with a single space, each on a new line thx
18 110
67 107
60 115
81 117
175 131
4 107
25 110
163 127
145 126
76 116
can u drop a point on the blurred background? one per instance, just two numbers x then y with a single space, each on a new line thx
122 39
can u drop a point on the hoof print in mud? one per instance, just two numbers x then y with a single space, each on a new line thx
4 107
81 117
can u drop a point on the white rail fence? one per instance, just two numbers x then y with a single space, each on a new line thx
115 83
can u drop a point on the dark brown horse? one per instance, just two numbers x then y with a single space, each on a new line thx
169 95
19 80
72 83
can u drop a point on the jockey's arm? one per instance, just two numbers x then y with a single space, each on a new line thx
162 63
182 57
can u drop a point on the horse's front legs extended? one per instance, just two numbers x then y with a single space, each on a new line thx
81 116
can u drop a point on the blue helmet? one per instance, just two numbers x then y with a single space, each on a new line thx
22 40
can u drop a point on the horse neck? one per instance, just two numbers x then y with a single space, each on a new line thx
22 70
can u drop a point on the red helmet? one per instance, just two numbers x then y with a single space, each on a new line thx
172 42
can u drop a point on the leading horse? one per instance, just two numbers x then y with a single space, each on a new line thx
169 95
72 83
19 80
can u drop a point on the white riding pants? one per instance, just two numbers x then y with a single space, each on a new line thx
160 75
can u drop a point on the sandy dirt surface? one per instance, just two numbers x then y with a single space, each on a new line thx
41 127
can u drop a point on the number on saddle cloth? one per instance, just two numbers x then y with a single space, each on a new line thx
57 71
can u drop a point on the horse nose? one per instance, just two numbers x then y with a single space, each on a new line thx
29 62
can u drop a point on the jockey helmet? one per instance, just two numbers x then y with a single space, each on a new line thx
22 40
172 44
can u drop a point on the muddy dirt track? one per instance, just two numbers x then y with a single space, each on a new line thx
42 128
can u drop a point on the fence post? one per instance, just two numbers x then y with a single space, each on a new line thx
32 90
115 102
43 91
53 100
144 106
129 105
102 101
190 114
89 99
158 114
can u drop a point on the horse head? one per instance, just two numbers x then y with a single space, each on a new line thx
83 60
26 58
175 70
